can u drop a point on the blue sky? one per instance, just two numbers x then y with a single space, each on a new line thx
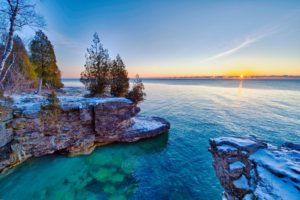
179 37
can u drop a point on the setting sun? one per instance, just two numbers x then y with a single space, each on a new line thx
241 76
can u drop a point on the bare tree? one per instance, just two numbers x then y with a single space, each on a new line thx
18 13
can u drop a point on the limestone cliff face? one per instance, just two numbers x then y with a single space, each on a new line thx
252 169
31 129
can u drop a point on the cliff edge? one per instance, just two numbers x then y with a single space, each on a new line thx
32 127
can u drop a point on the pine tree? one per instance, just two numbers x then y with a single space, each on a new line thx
137 94
119 78
43 57
95 77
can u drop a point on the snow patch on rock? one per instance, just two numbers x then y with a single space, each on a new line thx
236 165
32 103
256 170
241 183
234 141
146 123
271 186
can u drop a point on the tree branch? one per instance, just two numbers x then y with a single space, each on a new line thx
7 69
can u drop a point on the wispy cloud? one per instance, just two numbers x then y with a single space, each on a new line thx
60 39
247 42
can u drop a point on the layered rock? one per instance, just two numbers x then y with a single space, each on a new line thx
249 168
32 128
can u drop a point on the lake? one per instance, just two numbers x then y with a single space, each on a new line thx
176 165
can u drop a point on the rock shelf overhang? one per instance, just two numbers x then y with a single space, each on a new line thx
31 129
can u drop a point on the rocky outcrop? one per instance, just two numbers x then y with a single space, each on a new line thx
249 168
31 127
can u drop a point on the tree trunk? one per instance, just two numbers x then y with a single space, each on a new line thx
9 43
40 86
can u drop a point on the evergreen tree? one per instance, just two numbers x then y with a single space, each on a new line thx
95 77
137 94
43 57
119 78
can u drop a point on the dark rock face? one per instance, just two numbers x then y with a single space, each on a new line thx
249 168
80 124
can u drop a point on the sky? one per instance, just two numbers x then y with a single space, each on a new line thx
174 38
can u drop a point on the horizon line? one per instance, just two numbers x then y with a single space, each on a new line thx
266 77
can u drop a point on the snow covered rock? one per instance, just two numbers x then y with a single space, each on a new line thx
144 127
256 170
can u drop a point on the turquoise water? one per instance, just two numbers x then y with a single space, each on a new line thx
176 165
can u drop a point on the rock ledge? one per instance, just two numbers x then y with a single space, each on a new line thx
249 168
29 128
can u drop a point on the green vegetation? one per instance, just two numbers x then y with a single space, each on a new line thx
52 109
137 94
102 76
43 58
5 105
25 70
53 101
119 78
14 16
23 62
95 77
21 74
21 71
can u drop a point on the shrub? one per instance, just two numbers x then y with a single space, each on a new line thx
53 100
137 94
52 109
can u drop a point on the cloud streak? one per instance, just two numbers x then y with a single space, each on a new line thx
242 45
63 40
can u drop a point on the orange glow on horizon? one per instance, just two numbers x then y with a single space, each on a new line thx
160 72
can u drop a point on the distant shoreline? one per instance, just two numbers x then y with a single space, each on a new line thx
216 78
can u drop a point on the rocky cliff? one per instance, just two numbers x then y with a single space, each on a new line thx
252 169
32 127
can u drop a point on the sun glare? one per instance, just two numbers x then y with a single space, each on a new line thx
241 76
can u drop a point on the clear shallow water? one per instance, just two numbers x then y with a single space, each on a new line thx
175 165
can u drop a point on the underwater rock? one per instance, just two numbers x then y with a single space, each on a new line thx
262 172
32 127
117 178
103 174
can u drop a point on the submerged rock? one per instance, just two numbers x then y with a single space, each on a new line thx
249 168
32 127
